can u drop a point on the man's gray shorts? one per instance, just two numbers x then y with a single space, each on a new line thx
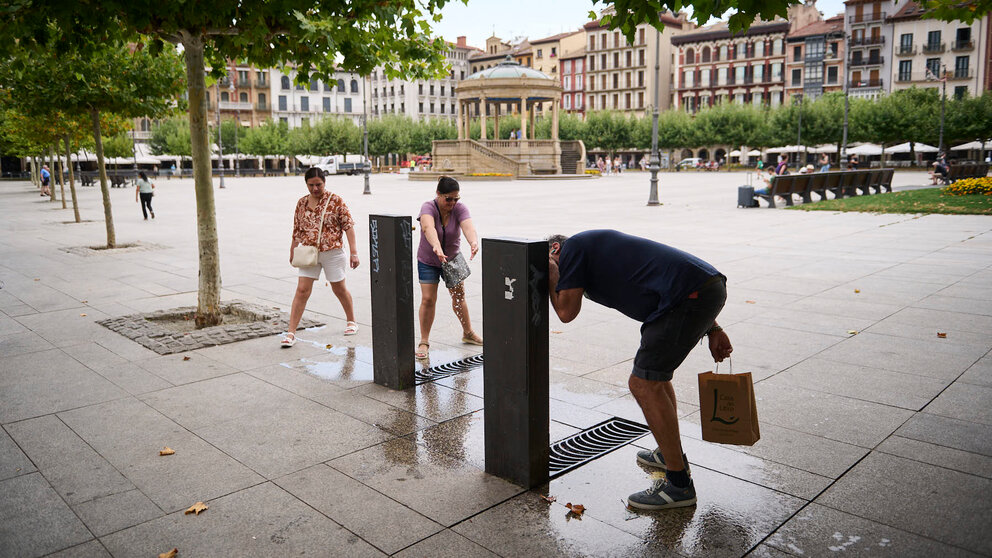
666 341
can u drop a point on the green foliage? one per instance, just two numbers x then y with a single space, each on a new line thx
271 138
119 145
630 13
389 134
609 131
926 200
956 10
336 136
171 137
422 134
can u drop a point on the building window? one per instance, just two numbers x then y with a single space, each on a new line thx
690 56
832 74
721 76
578 82
933 66
578 65
722 53
814 73
261 101
777 71
432 92
442 108
640 36
354 85
905 70
305 104
442 91
432 108
540 53
759 73
797 53
592 63
759 49
640 78
243 97
616 80
778 47
906 43
282 102
327 86
313 84
628 58
933 40
568 102
739 71
566 82
420 107
626 101
640 99
960 91
616 101
961 67
602 61
284 82
616 59
592 42
327 104
797 77
705 54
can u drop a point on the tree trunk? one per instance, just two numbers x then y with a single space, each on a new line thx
72 178
208 299
33 162
58 168
51 174
108 215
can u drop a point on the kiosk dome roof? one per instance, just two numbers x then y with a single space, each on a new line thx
509 68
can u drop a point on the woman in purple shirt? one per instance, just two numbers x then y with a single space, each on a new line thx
442 221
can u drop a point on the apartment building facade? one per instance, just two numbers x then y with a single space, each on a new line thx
869 39
496 51
814 62
303 104
243 95
924 50
620 74
547 52
425 98
573 81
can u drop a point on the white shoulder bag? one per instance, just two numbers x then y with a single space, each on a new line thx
306 256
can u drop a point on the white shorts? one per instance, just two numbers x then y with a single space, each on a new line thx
333 262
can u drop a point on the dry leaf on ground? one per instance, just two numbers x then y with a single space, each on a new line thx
329 346
856 291
852 332
577 509
167 451
197 508
941 335
82 315
185 358
548 498
84 301
37 279
750 302
170 554
555 331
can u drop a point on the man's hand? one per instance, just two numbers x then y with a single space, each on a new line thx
720 346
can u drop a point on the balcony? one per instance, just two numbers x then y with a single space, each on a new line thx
262 83
877 61
263 107
934 48
866 18
865 84
960 73
233 105
141 134
961 46
906 50
867 41
904 78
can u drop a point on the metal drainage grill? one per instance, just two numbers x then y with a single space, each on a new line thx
597 441
433 373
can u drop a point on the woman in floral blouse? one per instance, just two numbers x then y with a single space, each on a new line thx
337 224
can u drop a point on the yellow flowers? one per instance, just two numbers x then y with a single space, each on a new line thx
968 186
488 174
592 171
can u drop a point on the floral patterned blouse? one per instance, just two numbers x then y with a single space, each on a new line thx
337 219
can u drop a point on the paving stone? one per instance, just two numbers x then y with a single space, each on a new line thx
897 485
964 402
13 462
934 359
980 373
107 514
949 432
176 370
91 549
435 402
358 508
14 344
74 470
942 456
34 521
259 521
822 531
446 544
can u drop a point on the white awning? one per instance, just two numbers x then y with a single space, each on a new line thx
905 148
734 153
865 149
754 153
788 149
973 145
825 148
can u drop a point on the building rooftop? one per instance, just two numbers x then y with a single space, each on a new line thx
721 30
910 10
552 38
825 27
509 68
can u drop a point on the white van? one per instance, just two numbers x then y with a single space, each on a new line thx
342 164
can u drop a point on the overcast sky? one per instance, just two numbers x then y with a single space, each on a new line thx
534 19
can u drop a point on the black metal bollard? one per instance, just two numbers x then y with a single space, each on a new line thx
391 265
515 305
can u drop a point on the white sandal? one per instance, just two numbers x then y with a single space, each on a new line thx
351 328
288 341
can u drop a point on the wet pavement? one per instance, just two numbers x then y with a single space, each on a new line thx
873 443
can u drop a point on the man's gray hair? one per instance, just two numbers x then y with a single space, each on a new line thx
559 238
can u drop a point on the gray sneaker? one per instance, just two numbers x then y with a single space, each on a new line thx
663 495
653 458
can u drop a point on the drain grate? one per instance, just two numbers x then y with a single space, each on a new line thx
593 442
434 373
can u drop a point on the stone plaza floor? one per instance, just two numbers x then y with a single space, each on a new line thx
877 442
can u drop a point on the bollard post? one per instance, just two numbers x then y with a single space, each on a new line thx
391 272
515 377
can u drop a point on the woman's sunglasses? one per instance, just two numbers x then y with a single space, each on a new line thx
450 199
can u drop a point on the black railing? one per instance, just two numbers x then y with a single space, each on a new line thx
866 18
867 41
963 45
931 48
870 61
906 50
864 83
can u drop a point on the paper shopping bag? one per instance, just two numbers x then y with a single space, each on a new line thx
727 411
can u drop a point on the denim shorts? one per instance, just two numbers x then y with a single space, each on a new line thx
667 341
429 274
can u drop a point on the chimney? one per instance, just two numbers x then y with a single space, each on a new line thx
461 42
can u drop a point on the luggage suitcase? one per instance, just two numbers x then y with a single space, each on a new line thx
745 197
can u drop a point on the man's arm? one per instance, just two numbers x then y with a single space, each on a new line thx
720 346
567 302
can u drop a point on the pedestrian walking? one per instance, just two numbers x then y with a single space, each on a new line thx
46 179
442 222
144 190
322 220
677 298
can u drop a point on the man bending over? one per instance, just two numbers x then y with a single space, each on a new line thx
676 297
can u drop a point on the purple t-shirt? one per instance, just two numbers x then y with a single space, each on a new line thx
450 235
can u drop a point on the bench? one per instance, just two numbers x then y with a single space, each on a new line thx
840 184
967 170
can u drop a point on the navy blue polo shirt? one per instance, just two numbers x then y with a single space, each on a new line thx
641 278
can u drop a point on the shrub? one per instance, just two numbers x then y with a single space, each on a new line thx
967 186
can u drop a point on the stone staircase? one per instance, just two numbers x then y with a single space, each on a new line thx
571 155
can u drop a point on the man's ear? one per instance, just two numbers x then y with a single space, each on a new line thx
555 247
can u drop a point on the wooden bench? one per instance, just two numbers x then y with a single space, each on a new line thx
840 184
817 185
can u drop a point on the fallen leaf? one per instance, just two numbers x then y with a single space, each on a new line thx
82 315
577 509
852 332
555 331
196 508
327 283
170 554
856 291
941 335
548 499
37 279
167 451
185 358
750 302
84 301
328 346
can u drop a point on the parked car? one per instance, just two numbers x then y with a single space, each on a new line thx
689 163
342 164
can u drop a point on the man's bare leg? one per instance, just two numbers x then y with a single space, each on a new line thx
657 402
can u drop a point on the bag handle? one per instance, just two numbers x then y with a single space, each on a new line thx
320 226
730 363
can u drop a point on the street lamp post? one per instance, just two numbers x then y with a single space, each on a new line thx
366 166
220 143
655 163
799 133
943 101
847 107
